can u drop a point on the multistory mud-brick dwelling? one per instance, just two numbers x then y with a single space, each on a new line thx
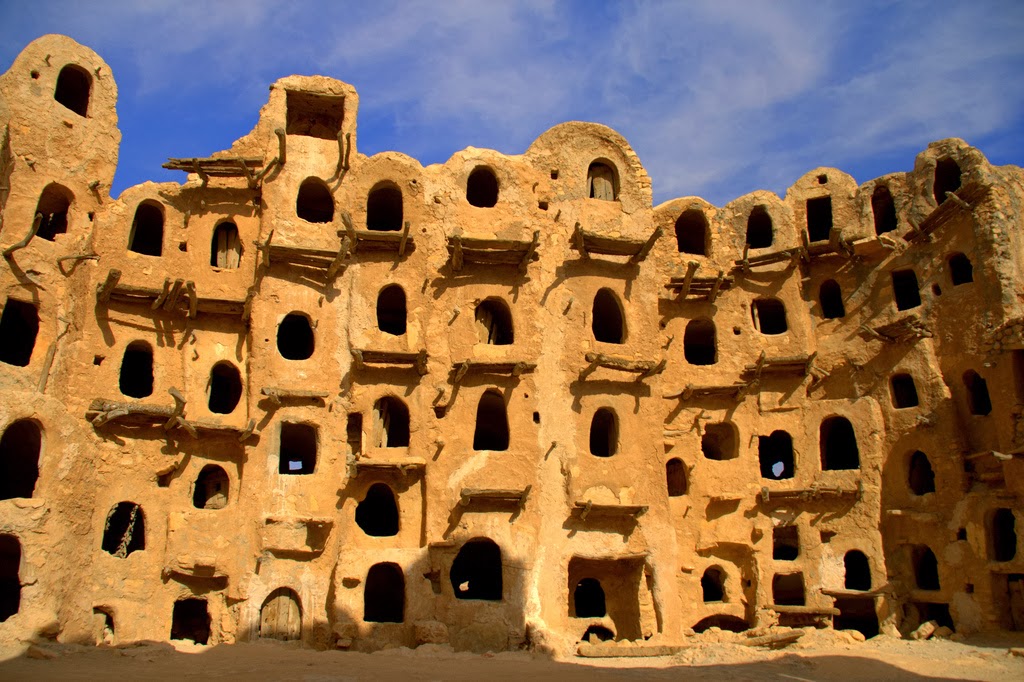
498 402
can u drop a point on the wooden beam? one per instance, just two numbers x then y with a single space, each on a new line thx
646 249
105 289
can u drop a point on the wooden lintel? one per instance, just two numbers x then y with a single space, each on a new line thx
277 395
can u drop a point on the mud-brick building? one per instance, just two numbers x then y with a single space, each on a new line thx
501 401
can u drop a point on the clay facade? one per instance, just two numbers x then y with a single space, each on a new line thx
310 394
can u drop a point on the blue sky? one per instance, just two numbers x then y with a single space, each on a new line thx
717 97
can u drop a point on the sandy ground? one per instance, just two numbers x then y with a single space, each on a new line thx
813 658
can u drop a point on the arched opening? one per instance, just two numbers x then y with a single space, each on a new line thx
476 571
384 208
491 431
103 625
225 388
147 235
977 393
391 423
858 571
760 232
904 391
675 475
884 209
719 441
947 178
599 633
604 433
602 182
136 378
700 344
297 449
391 310
769 315
722 622
831 298
788 589
73 88
482 187
225 247
1002 535
712 584
377 513
819 219
281 615
775 454
588 599
211 489
19 459
494 322
905 289
926 567
191 620
608 322
785 543
125 530
19 326
295 340
54 204
314 202
838 444
920 478
692 232
10 578
960 269
384 594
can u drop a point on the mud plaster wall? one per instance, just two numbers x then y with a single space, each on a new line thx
555 512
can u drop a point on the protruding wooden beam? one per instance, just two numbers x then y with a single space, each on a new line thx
105 289
581 242
457 259
718 285
36 222
532 249
642 253
405 238
282 147
691 269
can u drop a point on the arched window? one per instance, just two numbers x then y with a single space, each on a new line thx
675 475
831 298
482 187
476 571
384 594
391 310
760 232
905 289
54 204
297 449
700 345
10 578
494 322
608 323
377 513
819 219
602 181
769 315
960 269
926 567
73 87
977 393
225 388
391 423
947 178
384 208
788 589
692 232
722 622
19 326
211 489
719 441
295 339
281 615
775 454
588 599
147 235
1002 535
190 620
225 247
712 584
491 423
884 210
125 530
904 391
920 478
19 459
604 433
136 379
858 571
314 202
838 444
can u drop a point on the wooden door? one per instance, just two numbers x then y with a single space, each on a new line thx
281 617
